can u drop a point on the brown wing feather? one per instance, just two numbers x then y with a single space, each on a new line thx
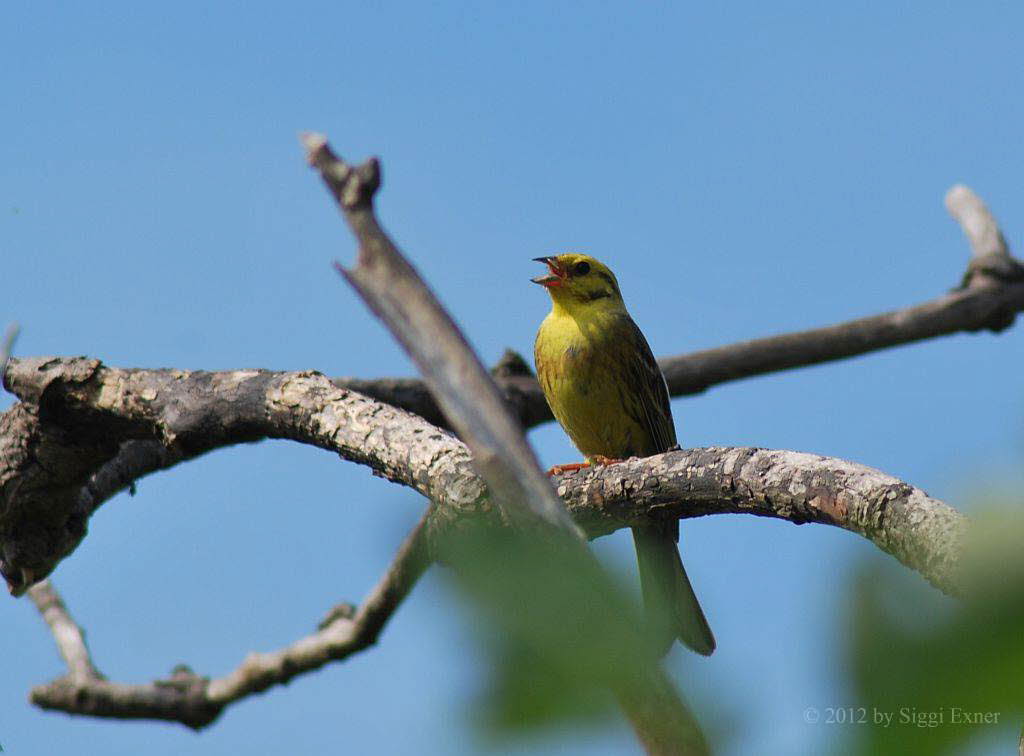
648 402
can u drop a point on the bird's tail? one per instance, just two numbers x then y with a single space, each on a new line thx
670 603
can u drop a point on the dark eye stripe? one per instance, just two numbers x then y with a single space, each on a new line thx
609 279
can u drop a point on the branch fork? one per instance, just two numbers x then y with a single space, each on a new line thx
84 431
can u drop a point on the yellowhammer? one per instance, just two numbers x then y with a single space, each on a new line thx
605 389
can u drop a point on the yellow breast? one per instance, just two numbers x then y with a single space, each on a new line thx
576 366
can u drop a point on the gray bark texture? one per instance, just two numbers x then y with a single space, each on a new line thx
83 431
500 454
103 428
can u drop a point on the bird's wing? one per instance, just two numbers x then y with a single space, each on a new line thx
647 401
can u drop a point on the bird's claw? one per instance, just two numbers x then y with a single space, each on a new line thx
597 459
571 467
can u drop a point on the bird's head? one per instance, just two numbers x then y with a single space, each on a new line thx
576 281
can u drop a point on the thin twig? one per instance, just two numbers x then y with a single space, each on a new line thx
197 701
339 638
7 345
68 635
978 223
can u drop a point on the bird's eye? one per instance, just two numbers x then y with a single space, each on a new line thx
581 268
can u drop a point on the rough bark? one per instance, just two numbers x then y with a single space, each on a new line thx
84 431
153 419
923 533
473 404
460 385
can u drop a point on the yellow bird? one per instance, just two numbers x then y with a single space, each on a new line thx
606 390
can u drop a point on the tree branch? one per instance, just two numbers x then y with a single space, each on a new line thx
68 635
404 448
467 396
965 310
83 432
923 533
7 344
977 222
990 296
471 402
993 306
197 701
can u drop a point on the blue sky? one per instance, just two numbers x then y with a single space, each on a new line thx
745 169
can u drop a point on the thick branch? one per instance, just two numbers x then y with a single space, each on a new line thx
403 447
923 533
197 701
473 405
169 405
513 375
465 393
84 430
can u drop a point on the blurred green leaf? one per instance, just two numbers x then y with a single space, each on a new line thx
527 694
564 636
937 674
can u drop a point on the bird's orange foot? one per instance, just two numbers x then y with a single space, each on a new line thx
599 459
573 467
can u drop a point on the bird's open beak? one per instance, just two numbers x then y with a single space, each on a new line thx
555 276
